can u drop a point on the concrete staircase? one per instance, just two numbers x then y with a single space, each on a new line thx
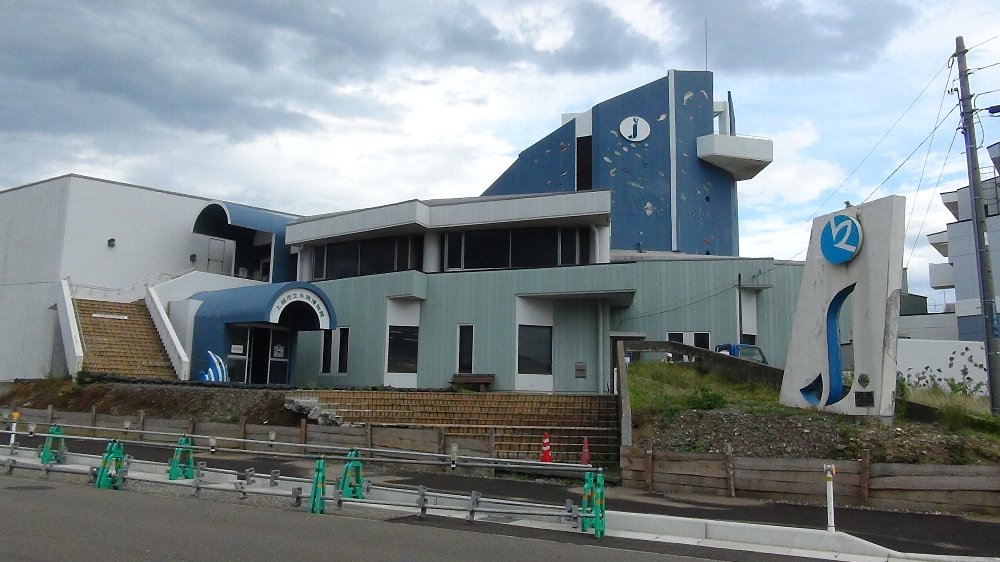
120 339
513 421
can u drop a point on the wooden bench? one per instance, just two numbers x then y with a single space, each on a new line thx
462 379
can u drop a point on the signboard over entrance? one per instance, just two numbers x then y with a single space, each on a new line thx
301 295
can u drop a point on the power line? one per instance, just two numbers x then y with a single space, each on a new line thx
907 159
920 180
884 136
927 210
674 307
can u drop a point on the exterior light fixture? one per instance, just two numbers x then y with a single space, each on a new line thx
111 242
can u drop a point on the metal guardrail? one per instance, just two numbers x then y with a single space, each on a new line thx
113 474
452 459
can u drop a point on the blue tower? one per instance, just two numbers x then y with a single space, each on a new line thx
669 155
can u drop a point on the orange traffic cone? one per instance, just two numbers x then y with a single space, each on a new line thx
546 449
585 455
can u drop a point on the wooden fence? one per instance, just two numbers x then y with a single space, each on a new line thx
241 435
918 487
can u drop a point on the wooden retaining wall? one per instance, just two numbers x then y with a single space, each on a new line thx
230 435
945 488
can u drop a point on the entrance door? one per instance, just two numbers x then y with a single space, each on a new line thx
216 255
270 355
260 345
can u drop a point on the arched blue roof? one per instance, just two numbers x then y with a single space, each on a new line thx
254 304
257 302
252 219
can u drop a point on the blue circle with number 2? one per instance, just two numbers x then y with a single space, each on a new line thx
841 239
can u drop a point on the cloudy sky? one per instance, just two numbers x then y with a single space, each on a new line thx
311 107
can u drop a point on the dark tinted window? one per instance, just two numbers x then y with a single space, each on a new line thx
403 349
342 353
378 256
454 241
584 245
567 246
327 351
534 350
319 262
342 260
534 247
701 340
465 349
487 249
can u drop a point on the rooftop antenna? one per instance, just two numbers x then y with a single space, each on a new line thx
706 43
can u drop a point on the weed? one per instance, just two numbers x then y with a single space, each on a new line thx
705 398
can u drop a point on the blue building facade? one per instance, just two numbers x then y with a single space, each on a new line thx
672 188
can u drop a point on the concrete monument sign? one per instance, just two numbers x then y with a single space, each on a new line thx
856 252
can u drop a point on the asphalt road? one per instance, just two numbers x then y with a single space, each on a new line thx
46 520
905 532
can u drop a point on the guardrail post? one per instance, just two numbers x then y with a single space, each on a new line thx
593 503
351 483
316 502
110 473
182 463
422 500
55 436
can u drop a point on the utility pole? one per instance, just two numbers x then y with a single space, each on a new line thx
987 296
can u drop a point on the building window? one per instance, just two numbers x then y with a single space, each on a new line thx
403 349
368 257
345 334
335 344
342 260
676 337
701 339
327 351
534 247
487 249
319 262
534 350
465 334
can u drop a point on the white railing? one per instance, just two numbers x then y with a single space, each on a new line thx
70 329
130 293
168 336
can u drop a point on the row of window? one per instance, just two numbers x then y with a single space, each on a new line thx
474 249
534 349
517 248
368 257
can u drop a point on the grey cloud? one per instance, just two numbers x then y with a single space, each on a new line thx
782 36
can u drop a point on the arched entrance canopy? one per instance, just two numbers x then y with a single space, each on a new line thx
232 323
242 224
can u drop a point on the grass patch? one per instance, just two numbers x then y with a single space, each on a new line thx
661 390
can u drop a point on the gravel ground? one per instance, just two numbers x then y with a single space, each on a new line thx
814 435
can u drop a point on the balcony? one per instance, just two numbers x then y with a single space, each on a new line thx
743 157
939 240
941 275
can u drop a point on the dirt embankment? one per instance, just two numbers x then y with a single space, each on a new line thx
762 434
816 435
227 405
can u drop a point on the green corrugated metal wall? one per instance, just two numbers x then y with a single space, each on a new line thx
674 295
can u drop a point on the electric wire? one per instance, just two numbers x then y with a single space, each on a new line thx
907 159
983 42
931 199
884 136
702 297
920 180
